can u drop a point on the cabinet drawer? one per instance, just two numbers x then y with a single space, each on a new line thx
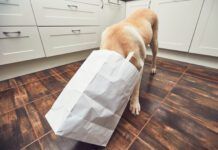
61 40
19 44
16 12
63 12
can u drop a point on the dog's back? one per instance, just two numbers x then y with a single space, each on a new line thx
133 33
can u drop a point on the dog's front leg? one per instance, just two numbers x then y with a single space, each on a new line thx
134 100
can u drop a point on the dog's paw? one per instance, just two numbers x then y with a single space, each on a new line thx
153 70
135 108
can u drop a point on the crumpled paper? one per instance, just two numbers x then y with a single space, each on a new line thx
92 103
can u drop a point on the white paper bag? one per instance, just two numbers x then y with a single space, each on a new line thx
90 106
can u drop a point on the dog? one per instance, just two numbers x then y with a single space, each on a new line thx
134 34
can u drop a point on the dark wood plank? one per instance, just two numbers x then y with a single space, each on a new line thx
203 72
4 85
160 83
69 67
149 103
21 80
203 108
37 111
56 94
48 73
15 130
162 74
152 89
172 65
36 90
15 82
171 129
29 78
122 136
148 59
138 144
45 73
7 101
137 122
54 83
68 75
13 98
200 86
53 142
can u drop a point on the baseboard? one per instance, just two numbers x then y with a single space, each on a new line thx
30 66
202 60
26 67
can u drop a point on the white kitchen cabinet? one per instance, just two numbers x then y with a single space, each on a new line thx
134 5
66 12
16 13
112 12
205 40
62 40
19 44
177 22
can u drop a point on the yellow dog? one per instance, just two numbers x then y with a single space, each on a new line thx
134 33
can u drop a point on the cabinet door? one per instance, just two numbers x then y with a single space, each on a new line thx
16 12
19 44
62 40
205 40
65 12
134 5
177 22
112 12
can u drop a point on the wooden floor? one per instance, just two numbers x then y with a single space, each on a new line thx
179 110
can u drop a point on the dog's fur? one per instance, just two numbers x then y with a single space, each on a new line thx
134 34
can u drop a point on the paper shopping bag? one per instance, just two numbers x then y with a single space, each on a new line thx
90 106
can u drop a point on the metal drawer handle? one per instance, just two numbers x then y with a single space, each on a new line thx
118 2
102 4
16 32
74 31
70 6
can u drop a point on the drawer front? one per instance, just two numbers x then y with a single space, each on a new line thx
62 40
63 12
16 12
19 44
93 2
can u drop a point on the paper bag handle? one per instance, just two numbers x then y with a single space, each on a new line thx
129 58
130 55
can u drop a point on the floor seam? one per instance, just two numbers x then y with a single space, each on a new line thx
30 102
28 116
190 115
31 81
37 139
158 107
